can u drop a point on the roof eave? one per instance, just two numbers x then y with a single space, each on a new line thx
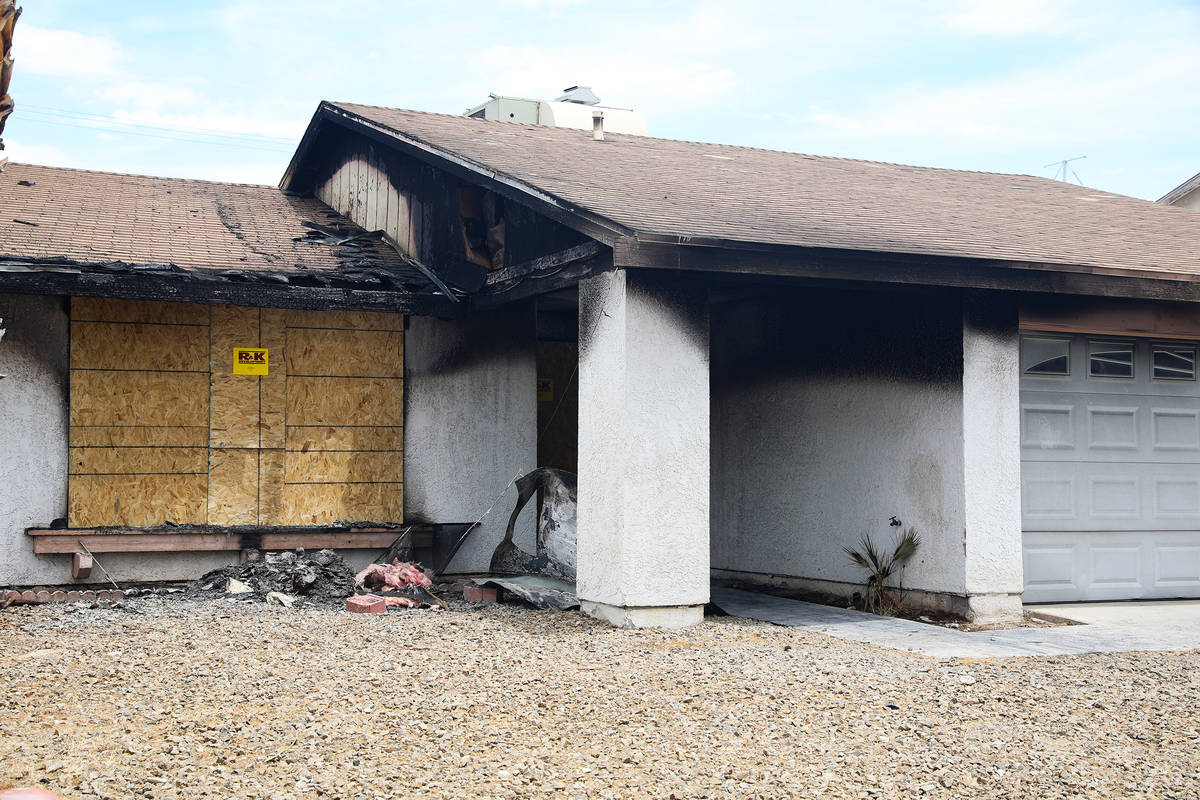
1181 191
659 251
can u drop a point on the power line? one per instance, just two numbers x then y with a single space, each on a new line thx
214 141
43 110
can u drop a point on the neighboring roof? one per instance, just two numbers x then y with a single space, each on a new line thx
694 193
133 224
1181 191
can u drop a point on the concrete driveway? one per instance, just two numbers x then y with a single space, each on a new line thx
1105 627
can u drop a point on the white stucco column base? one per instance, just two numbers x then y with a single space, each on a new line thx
988 609
993 578
644 616
643 520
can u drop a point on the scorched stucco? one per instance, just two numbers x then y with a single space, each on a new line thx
643 442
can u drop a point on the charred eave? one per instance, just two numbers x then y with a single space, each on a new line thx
363 290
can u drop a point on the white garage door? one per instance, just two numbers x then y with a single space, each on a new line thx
1110 468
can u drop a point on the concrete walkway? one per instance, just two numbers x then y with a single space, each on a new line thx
1107 628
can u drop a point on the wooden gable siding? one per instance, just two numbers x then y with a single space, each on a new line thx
163 430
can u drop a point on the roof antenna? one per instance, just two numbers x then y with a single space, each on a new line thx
1060 174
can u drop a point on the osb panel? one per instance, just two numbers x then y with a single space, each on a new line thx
138 398
345 401
329 438
325 503
233 326
134 345
318 351
111 309
138 436
138 500
135 460
273 386
270 487
233 487
349 320
234 420
325 467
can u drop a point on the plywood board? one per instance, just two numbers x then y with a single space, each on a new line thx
273 386
348 320
326 503
141 500
112 309
233 487
138 436
235 409
135 345
345 401
318 437
232 326
137 460
354 353
334 467
138 398
270 487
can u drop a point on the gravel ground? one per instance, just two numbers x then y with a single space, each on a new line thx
175 698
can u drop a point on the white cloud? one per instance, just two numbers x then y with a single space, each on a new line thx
1128 92
22 152
66 54
1012 17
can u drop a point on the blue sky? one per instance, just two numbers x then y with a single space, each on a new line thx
223 90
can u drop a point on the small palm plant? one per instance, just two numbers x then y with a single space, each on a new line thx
881 565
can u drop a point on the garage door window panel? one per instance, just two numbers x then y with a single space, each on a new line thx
1042 355
1172 363
1110 360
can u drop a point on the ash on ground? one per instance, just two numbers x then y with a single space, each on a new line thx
322 576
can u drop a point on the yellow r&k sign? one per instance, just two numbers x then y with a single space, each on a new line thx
249 361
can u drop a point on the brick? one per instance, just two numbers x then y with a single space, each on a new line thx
81 566
43 596
28 596
480 594
366 604
74 596
88 597
58 596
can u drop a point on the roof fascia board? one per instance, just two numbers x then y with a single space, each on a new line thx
41 279
1180 191
589 224
302 151
866 266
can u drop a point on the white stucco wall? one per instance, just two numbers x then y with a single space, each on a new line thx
832 412
470 423
643 446
992 447
33 420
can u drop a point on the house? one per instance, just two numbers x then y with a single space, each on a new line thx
1185 195
770 355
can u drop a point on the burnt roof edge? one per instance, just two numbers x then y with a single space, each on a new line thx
859 266
587 222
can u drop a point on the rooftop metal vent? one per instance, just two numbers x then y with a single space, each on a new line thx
579 94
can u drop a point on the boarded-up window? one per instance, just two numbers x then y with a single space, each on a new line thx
162 429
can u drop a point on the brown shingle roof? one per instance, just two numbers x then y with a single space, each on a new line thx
52 215
670 188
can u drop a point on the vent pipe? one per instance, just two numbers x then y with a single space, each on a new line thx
598 126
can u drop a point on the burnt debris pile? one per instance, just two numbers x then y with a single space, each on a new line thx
320 576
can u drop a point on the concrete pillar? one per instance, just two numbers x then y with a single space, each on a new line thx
643 521
991 458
